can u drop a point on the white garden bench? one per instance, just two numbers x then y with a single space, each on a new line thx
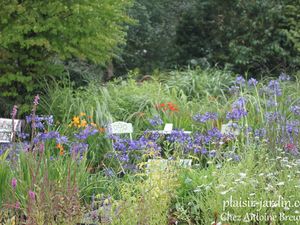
7 131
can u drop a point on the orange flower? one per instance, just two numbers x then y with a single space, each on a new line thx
83 123
61 149
101 129
93 125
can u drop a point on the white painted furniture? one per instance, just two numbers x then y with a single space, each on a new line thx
6 129
121 127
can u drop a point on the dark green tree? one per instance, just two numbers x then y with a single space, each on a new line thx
151 40
240 34
36 36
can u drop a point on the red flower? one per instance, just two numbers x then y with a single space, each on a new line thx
290 146
169 106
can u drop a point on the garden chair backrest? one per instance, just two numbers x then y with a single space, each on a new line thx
121 127
6 131
168 127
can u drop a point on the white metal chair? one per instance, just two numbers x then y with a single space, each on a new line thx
7 131
121 127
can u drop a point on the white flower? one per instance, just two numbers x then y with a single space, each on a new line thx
243 175
280 183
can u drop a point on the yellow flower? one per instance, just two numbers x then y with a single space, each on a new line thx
82 114
93 125
76 120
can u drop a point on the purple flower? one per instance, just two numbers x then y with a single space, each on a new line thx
260 133
212 153
78 149
22 135
214 133
178 136
284 77
202 118
273 116
14 183
240 81
239 103
252 82
203 151
31 195
36 100
61 139
40 121
155 121
84 134
274 88
295 109
14 112
236 114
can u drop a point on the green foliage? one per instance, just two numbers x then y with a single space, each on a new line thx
4 175
292 13
261 37
242 35
150 41
204 194
35 34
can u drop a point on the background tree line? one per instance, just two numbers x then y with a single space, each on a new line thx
42 41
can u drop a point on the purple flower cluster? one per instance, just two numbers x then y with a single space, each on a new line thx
236 114
43 137
252 82
273 117
240 81
155 121
274 88
295 109
78 149
202 118
40 121
84 134
238 109
284 77
178 136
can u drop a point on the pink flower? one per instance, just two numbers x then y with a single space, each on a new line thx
14 183
36 100
14 112
17 205
31 195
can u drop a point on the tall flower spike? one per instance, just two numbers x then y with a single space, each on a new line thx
14 183
36 100
14 112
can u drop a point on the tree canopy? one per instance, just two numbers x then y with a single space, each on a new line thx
35 35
